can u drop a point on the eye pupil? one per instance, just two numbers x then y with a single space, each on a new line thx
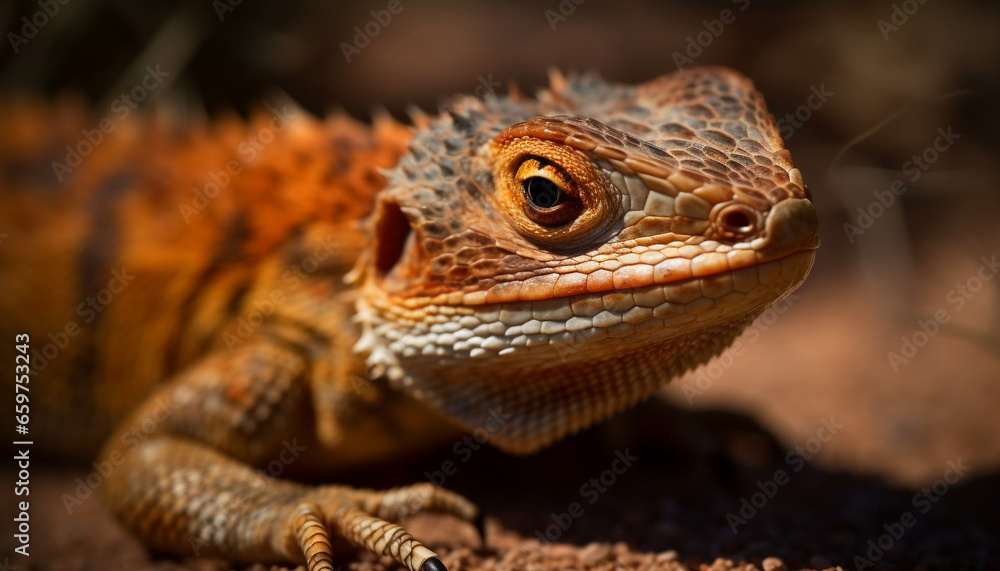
541 192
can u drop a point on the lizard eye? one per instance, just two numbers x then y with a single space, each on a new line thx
551 197
542 193
553 194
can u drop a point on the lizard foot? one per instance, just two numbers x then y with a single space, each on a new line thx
363 518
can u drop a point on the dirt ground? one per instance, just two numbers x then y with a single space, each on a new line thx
880 451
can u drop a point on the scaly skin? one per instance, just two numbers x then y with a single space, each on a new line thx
529 265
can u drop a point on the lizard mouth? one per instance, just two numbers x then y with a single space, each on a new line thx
608 322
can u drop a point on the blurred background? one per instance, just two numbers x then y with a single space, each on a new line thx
895 337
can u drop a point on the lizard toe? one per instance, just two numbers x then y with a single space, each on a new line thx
405 501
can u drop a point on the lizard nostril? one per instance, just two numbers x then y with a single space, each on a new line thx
737 220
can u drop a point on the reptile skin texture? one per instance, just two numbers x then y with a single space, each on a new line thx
353 293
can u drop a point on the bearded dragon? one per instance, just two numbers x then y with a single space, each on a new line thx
234 293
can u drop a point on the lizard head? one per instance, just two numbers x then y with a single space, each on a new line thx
540 264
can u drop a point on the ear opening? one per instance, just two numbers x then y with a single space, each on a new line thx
392 234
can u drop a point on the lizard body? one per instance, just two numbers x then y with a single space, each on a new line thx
546 261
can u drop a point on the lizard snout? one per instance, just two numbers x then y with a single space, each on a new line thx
792 226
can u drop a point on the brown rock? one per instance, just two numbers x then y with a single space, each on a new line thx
594 553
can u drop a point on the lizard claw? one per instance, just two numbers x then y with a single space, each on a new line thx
356 515
433 564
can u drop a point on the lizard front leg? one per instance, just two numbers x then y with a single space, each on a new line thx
184 483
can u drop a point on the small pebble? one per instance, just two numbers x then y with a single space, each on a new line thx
666 556
593 553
